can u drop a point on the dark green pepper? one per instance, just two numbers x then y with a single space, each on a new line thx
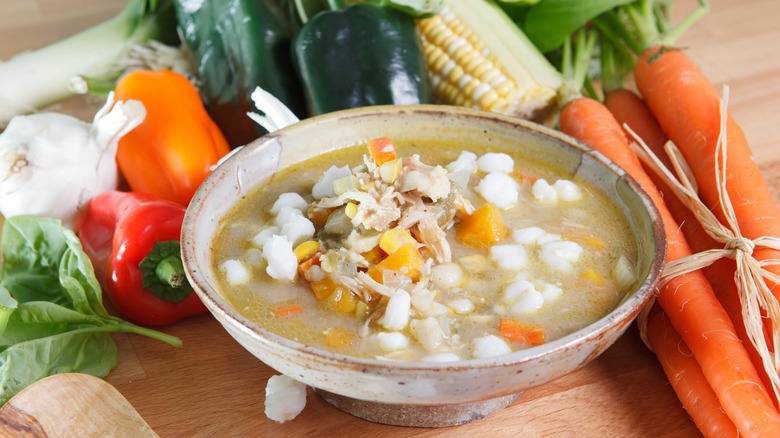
364 54
239 45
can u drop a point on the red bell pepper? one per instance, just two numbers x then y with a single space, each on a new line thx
132 239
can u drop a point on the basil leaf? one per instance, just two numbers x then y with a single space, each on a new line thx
32 249
86 351
40 319
78 281
550 22
7 306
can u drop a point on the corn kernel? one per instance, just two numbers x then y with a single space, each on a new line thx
395 238
306 250
595 241
592 275
351 209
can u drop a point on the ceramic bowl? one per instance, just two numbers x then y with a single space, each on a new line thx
417 394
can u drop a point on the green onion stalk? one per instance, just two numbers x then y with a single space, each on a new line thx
35 79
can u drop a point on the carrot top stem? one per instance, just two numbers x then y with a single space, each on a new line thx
574 64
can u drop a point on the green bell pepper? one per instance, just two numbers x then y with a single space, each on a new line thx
239 45
364 54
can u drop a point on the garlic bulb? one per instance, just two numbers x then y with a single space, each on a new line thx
52 164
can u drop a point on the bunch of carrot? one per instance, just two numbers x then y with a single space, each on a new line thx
696 326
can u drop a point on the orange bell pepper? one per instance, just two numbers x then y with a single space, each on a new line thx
171 152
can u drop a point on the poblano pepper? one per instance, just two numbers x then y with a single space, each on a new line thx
239 45
360 55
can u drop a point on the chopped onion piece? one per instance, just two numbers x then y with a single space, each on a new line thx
624 273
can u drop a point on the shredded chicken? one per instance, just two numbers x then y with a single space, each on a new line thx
432 236
425 180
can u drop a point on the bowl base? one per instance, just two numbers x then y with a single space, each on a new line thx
417 415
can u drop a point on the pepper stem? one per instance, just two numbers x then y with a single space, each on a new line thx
163 272
170 270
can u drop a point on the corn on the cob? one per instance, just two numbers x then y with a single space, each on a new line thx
477 57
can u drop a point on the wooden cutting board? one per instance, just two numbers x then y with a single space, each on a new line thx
71 405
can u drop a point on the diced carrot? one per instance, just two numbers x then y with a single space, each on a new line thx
483 228
307 263
381 150
324 288
405 260
374 255
288 310
342 301
337 337
520 177
318 215
523 332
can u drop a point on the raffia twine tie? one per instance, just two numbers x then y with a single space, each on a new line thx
756 298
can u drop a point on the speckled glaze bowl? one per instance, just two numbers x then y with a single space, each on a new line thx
417 394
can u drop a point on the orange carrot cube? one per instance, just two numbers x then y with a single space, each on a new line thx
381 150
483 228
405 260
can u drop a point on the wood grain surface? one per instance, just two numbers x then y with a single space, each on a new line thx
64 405
212 387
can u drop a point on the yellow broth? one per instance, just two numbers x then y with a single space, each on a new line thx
589 290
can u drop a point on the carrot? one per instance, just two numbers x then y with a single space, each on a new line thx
287 310
629 109
381 150
523 332
522 177
688 299
483 228
405 260
324 288
686 377
308 263
687 106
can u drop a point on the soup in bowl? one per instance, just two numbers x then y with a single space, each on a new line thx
421 259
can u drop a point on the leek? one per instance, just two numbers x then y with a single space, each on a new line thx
35 79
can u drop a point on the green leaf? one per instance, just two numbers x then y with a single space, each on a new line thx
7 307
415 8
77 278
41 319
32 250
550 22
519 2
85 351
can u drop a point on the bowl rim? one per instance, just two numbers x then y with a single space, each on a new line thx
627 309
